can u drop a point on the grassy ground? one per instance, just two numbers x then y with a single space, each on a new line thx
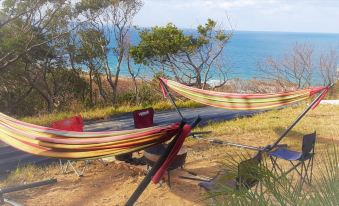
104 113
266 127
204 159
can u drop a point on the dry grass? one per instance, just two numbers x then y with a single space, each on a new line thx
29 173
103 113
264 128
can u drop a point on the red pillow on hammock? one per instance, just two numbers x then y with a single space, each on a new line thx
71 124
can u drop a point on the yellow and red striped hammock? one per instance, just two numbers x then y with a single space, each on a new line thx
48 142
235 101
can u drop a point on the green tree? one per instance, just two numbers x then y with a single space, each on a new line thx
90 53
114 22
193 59
32 49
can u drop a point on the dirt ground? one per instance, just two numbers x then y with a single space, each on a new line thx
113 184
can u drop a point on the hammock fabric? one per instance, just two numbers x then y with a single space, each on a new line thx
56 143
235 101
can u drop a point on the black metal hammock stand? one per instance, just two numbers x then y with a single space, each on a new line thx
142 186
22 187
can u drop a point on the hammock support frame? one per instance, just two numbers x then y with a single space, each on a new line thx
313 104
142 186
22 187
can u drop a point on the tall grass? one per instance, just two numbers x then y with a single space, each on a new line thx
274 189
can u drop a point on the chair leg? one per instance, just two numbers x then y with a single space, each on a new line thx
301 175
62 166
79 174
69 164
101 161
307 174
274 164
296 168
292 168
311 173
280 169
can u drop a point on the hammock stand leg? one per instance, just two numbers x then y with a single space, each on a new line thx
315 101
10 202
22 187
144 183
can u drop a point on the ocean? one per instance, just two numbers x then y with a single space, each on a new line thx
247 48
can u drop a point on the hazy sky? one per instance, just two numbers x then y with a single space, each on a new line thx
251 15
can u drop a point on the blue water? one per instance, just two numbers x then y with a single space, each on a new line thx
246 49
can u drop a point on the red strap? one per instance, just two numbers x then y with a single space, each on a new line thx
163 89
185 132
321 98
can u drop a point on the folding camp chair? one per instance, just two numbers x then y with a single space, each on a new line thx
72 124
304 159
143 118
248 176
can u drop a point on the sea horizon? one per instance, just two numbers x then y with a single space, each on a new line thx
246 49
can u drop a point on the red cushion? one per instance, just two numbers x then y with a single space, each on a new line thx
71 124
143 118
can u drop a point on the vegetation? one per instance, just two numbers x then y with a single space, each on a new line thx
283 190
193 59
264 129
300 67
66 56
50 60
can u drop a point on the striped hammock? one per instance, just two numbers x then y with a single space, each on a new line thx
235 101
48 142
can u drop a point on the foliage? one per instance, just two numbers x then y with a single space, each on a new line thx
301 68
54 54
189 58
275 189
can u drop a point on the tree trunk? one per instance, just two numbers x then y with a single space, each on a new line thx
91 86
100 87
136 90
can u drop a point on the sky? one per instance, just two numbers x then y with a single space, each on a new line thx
320 16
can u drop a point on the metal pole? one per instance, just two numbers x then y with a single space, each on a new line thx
217 141
142 186
270 147
27 186
11 202
171 98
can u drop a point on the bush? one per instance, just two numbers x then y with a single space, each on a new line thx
277 190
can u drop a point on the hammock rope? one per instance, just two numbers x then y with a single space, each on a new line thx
48 142
235 101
